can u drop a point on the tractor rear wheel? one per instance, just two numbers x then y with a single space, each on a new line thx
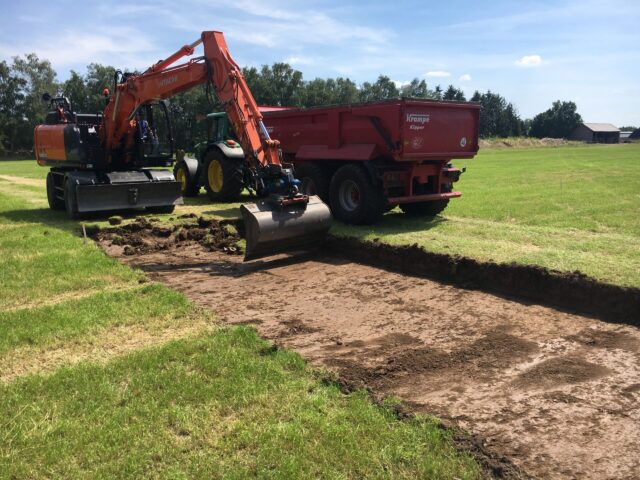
314 180
222 177
353 196
55 202
189 185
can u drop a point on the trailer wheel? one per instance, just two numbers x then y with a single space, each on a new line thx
222 177
427 209
70 201
189 185
55 202
314 180
353 196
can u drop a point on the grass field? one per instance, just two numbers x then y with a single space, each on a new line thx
104 374
567 208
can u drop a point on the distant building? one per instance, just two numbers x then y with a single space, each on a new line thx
624 136
596 133
635 135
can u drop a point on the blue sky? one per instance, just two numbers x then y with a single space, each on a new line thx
531 52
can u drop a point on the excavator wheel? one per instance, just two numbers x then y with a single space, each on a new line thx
55 202
222 177
188 184
70 202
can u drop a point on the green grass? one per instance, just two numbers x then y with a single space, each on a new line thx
23 168
44 325
222 406
44 260
105 375
566 208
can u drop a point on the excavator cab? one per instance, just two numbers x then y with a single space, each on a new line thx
154 137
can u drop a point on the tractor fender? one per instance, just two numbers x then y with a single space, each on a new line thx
229 152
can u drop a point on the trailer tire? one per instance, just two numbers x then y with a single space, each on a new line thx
70 201
353 196
55 202
189 185
314 180
222 177
427 209
424 209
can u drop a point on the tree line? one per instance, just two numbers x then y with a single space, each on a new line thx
23 82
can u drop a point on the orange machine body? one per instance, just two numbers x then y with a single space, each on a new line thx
49 144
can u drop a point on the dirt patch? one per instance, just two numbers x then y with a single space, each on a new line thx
560 371
607 339
496 350
145 236
572 290
554 392
295 327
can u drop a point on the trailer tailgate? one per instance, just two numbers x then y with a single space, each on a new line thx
439 130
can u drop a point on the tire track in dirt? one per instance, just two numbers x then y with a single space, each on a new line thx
555 392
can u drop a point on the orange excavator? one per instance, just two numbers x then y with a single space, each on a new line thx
105 161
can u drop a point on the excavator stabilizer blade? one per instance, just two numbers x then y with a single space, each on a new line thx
271 229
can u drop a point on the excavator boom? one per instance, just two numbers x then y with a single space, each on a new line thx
283 218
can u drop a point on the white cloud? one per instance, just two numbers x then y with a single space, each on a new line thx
438 74
299 60
69 48
465 78
529 61
400 83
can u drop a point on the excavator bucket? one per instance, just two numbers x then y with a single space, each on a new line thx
271 229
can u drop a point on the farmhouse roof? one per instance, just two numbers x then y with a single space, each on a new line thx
601 127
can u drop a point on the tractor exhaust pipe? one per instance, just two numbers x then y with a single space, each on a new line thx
271 229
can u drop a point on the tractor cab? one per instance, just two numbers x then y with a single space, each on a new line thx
218 131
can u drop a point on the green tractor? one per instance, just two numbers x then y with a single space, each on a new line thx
218 166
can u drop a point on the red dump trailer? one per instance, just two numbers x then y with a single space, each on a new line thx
365 159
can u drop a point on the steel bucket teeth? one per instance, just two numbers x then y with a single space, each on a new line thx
270 229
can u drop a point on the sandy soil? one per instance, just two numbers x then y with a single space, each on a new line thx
557 393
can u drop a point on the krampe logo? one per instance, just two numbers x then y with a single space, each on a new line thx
420 118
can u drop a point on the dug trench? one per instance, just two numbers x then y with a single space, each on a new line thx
545 391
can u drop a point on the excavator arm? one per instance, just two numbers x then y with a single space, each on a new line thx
284 219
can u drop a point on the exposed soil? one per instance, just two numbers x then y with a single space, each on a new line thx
570 290
555 392
144 236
